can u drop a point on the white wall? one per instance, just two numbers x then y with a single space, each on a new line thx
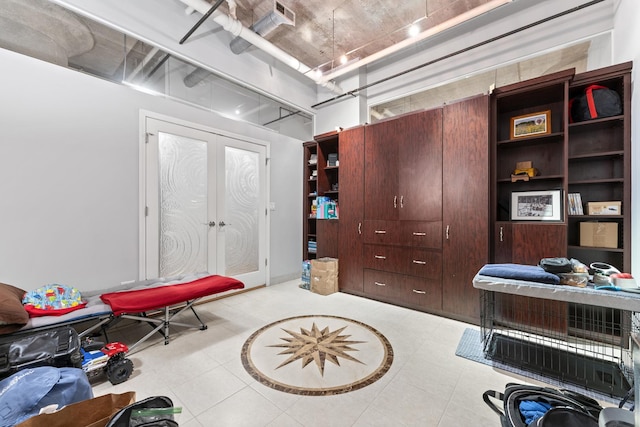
626 32
69 177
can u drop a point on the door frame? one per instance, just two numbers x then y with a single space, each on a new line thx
142 182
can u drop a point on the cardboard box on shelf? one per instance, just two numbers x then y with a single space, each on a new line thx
604 208
599 234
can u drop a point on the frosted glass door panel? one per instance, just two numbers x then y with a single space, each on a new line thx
242 203
183 205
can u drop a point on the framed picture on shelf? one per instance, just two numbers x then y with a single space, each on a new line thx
536 205
531 124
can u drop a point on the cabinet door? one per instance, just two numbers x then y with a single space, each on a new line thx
350 222
465 204
532 242
327 238
381 170
420 169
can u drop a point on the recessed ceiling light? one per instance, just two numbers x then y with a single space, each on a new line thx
237 111
414 30
343 59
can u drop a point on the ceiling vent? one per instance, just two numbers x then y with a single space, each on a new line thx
278 16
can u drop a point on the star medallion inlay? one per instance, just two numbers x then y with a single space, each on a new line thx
317 345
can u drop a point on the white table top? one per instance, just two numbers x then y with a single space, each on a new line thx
622 300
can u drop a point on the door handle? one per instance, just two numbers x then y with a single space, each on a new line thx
446 233
501 235
210 223
222 224
395 202
402 201
359 228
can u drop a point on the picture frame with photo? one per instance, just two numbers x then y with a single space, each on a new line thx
530 124
543 205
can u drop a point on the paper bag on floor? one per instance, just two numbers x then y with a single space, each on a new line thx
94 412
324 276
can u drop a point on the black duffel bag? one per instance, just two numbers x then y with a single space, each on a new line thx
59 347
596 102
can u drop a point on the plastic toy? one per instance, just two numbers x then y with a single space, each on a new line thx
110 359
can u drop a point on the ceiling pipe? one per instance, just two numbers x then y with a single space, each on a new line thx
236 28
473 13
264 26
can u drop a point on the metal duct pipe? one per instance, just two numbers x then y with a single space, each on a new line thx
264 26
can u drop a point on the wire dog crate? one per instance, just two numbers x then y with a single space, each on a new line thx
557 336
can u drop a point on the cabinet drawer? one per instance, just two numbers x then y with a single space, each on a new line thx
403 260
424 263
403 289
384 258
421 234
382 284
382 232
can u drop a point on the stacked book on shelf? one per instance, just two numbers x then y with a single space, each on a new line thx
575 204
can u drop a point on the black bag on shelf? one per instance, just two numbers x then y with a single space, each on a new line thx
511 414
556 265
596 102
59 347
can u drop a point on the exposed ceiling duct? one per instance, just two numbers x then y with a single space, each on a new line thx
278 16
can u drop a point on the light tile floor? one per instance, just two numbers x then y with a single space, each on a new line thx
201 371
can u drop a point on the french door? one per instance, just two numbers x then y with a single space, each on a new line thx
205 204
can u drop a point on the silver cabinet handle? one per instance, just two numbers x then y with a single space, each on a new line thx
380 257
359 228
446 233
501 234
415 291
402 201
380 284
380 232
416 233
417 261
395 202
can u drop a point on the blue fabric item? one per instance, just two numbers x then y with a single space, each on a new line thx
24 393
532 273
532 410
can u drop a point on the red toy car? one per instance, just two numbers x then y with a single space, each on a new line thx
110 359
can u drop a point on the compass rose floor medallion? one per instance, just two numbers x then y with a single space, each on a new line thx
317 355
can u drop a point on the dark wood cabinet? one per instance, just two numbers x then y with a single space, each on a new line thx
465 204
403 168
310 192
400 180
590 158
351 178
599 166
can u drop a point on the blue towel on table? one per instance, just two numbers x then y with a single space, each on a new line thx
531 273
